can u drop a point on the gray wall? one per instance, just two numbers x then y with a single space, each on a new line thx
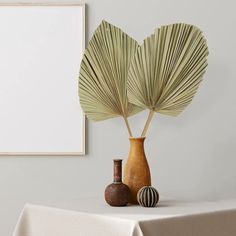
191 157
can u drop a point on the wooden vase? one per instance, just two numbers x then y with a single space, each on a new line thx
117 193
137 173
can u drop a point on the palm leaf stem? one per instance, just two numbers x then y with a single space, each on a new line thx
149 119
128 126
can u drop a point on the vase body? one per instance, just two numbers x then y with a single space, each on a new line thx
117 193
137 172
148 196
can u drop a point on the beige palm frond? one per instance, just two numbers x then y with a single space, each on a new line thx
167 70
103 74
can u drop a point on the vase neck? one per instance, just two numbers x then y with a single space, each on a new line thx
137 145
117 171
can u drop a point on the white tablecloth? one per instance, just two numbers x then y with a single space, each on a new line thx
92 217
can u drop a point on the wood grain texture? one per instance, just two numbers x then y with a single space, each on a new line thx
137 173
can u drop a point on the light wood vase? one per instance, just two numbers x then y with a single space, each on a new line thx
136 173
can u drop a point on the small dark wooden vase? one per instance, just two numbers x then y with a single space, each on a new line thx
117 193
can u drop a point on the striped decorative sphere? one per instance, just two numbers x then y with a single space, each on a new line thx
148 196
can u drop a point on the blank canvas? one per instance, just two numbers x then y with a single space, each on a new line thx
40 52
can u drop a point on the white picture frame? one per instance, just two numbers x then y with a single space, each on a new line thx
41 47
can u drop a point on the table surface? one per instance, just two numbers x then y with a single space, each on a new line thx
165 208
92 216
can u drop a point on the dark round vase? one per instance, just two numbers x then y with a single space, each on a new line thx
117 193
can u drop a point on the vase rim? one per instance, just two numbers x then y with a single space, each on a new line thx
137 138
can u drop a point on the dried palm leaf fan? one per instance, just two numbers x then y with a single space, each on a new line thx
167 70
104 72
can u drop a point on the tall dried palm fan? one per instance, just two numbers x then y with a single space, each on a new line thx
167 70
104 72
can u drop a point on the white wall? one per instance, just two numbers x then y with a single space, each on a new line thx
192 156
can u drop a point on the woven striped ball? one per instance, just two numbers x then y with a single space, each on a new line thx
148 196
